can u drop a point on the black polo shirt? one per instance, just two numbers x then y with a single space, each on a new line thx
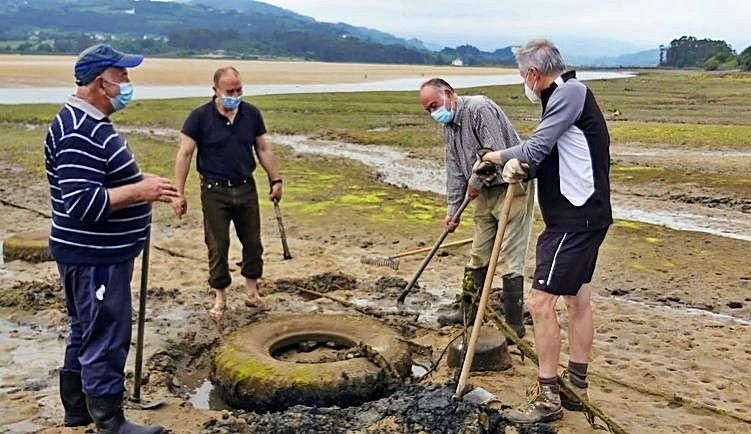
225 150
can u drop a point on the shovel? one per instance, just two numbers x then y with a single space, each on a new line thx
136 399
469 356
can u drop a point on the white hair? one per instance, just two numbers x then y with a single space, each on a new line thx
541 54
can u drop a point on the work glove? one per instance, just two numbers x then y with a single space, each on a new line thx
514 171
486 171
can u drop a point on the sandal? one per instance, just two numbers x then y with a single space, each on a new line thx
217 312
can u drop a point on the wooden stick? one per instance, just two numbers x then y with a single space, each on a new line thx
364 310
526 349
469 357
427 249
434 249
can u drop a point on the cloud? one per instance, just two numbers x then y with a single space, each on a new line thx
491 24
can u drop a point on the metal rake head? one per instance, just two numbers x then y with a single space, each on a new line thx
380 261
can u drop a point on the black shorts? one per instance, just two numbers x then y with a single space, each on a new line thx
566 260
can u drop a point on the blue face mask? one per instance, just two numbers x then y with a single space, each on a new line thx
442 114
231 102
123 98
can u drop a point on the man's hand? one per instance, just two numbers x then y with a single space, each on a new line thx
449 225
514 171
179 206
487 172
153 188
276 192
472 192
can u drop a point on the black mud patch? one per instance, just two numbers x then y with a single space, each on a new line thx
412 409
324 282
33 296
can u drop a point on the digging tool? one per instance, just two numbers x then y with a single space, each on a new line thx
469 357
393 261
136 399
434 249
282 233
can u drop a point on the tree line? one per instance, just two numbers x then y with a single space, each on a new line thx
690 52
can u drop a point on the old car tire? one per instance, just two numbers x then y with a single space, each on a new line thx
247 376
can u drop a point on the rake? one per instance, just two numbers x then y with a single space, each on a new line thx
393 261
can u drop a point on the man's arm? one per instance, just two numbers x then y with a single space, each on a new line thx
456 184
493 129
182 166
182 161
151 188
267 159
564 108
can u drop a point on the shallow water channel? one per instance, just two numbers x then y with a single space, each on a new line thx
398 168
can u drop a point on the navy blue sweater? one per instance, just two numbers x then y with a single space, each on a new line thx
84 156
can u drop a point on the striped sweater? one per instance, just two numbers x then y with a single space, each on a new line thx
84 156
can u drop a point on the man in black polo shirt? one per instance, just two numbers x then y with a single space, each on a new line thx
226 130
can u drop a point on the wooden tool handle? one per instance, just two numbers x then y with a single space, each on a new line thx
282 232
485 291
427 249
435 247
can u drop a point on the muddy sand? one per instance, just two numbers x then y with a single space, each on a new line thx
672 349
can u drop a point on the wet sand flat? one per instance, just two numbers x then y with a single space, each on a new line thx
28 71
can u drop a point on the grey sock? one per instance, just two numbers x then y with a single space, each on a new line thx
549 382
577 372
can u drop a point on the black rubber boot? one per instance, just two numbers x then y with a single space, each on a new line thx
459 307
74 401
456 316
107 412
513 304
478 280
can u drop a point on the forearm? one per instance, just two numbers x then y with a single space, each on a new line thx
269 163
120 197
182 167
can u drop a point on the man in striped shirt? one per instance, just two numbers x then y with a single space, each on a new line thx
101 217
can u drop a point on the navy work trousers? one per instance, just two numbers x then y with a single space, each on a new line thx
98 301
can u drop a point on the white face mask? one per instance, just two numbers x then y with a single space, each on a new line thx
529 92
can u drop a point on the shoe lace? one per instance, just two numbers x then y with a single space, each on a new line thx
533 393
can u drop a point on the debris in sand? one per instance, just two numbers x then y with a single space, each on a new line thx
33 295
413 408
324 282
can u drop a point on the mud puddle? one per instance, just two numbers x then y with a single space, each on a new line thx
38 350
397 168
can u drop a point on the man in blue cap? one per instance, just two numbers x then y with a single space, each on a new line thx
101 206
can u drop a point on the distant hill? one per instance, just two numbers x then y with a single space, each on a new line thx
470 55
646 58
249 29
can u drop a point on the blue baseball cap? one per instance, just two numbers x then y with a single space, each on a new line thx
95 59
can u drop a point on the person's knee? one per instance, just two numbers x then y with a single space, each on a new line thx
540 304
578 305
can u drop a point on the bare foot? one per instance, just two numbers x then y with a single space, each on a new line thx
217 312
255 302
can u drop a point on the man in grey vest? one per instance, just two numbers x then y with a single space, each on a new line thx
569 154
471 125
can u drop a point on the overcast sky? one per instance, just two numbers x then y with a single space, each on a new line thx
490 24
